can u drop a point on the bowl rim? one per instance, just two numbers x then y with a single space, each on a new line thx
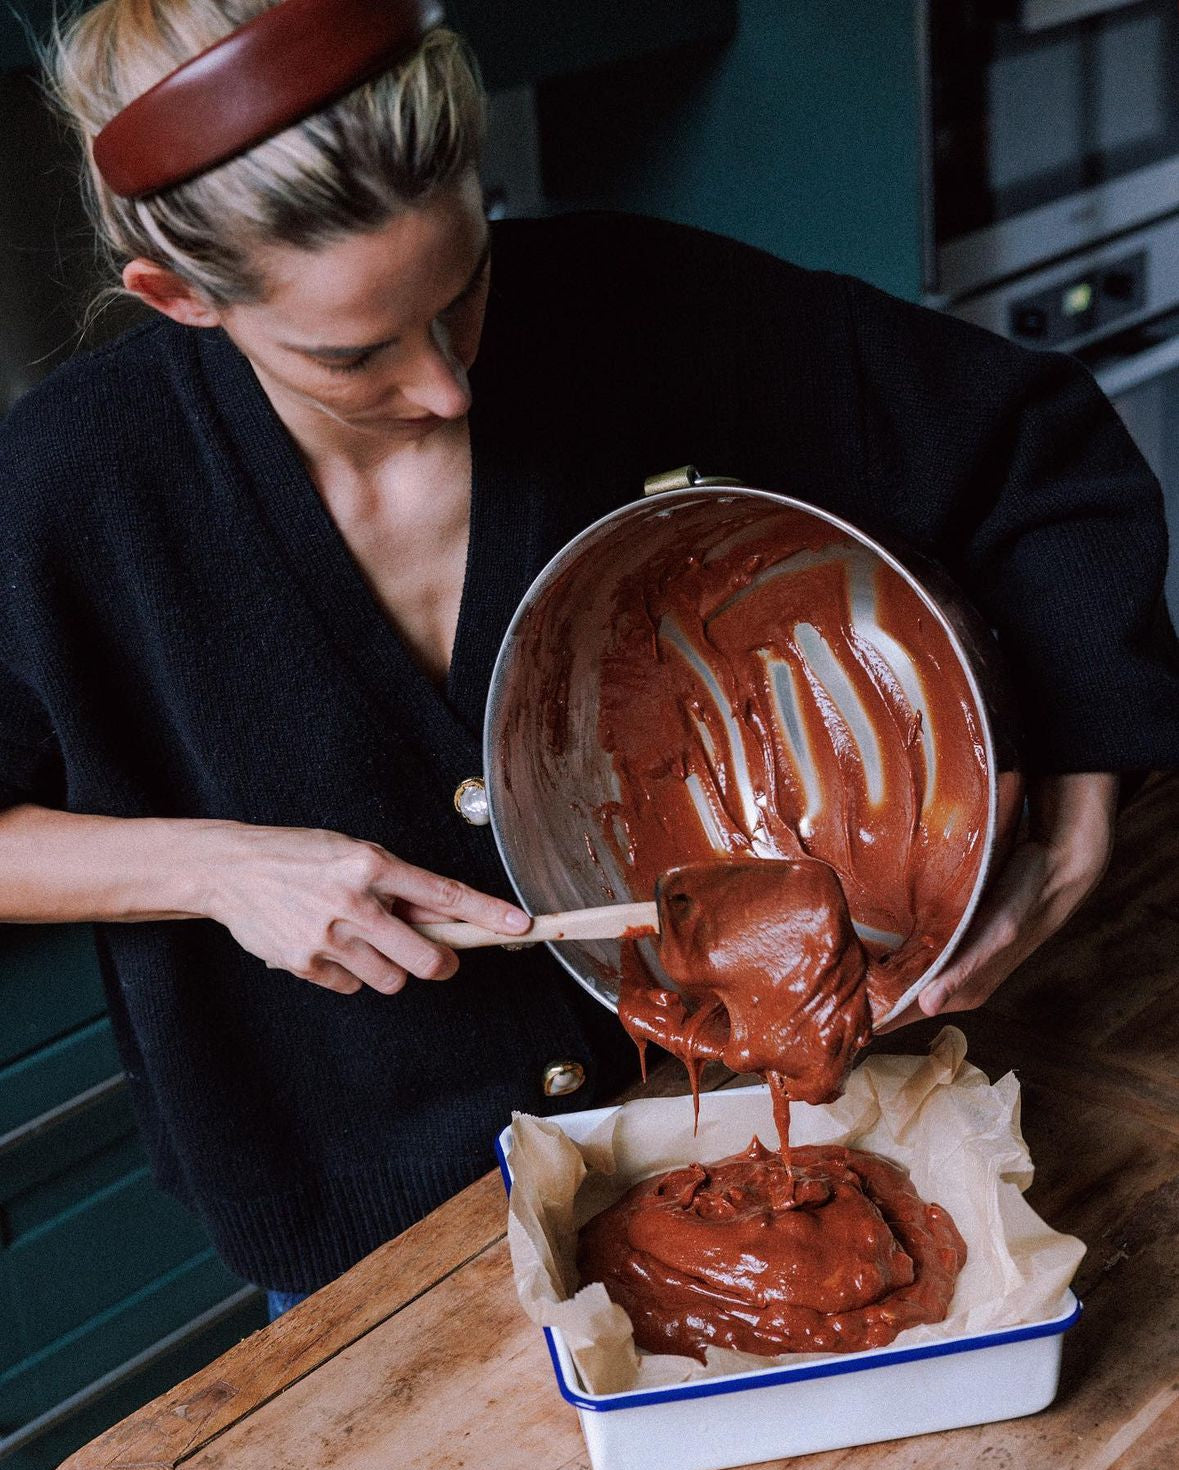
696 493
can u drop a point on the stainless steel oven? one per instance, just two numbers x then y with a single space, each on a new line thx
1052 198
1052 120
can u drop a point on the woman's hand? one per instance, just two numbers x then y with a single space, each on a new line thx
335 910
1052 869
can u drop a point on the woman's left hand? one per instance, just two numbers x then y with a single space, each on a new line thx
1052 869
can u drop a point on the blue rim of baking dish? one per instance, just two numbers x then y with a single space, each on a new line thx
769 1378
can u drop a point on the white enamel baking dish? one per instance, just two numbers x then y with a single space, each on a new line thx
773 1413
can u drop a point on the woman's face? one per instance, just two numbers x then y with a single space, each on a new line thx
375 330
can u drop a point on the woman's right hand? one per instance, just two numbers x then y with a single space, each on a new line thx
336 910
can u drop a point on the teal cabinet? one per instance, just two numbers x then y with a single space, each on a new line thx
23 25
515 43
531 40
801 135
109 1291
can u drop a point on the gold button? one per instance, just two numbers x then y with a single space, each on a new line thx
561 1078
470 801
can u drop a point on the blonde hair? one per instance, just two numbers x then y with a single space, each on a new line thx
379 150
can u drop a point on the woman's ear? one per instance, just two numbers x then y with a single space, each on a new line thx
167 292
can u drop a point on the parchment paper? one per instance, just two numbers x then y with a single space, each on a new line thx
956 1133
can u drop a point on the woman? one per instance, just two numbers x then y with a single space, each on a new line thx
261 554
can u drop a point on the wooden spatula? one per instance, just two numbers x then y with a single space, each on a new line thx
614 921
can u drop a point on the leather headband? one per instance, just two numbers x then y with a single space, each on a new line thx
282 66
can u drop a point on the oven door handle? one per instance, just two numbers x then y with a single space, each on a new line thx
1123 374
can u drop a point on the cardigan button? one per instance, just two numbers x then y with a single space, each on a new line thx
470 801
561 1078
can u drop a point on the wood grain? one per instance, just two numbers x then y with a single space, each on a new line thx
420 1357
169 1429
457 1379
461 1367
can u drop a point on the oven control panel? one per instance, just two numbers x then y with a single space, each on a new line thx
1093 300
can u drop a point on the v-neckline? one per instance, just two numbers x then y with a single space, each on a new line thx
501 549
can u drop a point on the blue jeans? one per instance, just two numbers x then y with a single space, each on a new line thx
278 1302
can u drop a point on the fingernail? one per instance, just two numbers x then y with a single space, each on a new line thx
517 921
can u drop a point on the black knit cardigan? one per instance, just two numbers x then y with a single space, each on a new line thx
184 633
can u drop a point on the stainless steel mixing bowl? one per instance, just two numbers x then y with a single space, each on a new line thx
546 773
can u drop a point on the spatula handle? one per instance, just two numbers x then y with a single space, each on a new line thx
614 921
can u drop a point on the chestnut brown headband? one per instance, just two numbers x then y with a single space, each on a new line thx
277 69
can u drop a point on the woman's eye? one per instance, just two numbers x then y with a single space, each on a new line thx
350 365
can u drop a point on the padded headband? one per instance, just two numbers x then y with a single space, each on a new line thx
277 69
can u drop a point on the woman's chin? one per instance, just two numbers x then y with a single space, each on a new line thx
404 426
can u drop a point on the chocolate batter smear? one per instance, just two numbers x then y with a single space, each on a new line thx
776 691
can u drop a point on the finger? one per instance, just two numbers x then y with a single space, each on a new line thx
974 975
911 1013
415 913
1003 932
399 944
941 999
974 978
372 967
447 898
330 976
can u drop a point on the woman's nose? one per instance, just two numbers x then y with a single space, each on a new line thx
438 381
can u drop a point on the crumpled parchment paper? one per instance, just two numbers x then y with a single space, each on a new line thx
956 1133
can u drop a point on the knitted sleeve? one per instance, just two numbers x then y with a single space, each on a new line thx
30 761
31 764
1014 470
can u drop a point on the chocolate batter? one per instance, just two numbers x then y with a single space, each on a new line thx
776 691
835 1253
771 977
809 1249
793 741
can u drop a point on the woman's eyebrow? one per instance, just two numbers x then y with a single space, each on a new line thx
480 265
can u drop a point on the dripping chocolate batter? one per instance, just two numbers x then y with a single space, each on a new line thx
771 977
807 1249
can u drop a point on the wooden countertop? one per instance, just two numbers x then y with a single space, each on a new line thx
419 1358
